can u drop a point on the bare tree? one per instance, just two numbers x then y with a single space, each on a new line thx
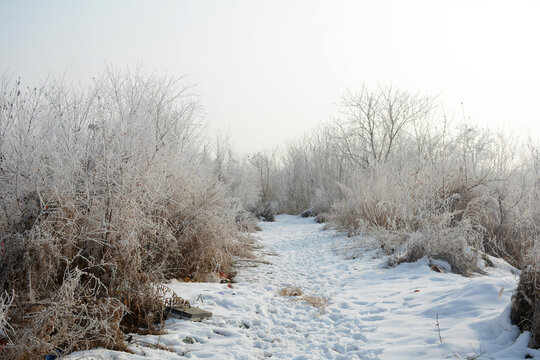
264 165
374 120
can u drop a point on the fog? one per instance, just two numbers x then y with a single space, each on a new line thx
268 71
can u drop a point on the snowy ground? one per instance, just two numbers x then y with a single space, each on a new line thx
372 313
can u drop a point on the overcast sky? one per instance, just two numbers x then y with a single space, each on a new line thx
271 70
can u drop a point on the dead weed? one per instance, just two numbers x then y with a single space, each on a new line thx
297 294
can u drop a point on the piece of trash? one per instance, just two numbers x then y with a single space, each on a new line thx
501 292
187 313
224 277
436 269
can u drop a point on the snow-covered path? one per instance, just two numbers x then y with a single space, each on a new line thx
372 313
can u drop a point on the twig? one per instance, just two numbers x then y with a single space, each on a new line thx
438 325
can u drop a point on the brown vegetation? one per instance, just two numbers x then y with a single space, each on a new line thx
526 299
291 291
297 294
104 194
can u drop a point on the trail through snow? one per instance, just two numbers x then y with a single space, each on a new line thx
373 312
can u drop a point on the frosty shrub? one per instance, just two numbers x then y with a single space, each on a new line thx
239 179
105 192
526 299
458 245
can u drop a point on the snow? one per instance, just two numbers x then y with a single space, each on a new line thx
373 312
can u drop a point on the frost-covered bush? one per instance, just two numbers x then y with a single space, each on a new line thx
307 174
526 299
406 208
459 245
465 183
104 192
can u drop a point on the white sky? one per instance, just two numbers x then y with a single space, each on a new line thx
271 70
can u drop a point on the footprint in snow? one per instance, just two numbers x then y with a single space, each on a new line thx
374 318
344 305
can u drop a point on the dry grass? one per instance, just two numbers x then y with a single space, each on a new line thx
292 291
297 294
77 291
316 301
